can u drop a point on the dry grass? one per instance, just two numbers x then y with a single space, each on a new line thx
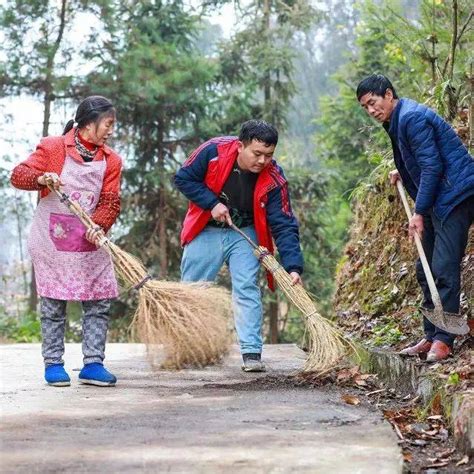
190 320
327 345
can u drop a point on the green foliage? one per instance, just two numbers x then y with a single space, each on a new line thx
346 137
321 231
259 59
437 54
453 379
37 51
386 333
24 329
164 91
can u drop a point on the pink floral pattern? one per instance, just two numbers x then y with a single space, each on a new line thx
67 266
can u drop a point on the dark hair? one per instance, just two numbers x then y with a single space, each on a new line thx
258 130
91 109
376 84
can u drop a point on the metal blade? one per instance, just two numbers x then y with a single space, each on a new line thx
449 322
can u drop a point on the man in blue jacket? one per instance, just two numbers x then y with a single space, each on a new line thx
438 173
236 180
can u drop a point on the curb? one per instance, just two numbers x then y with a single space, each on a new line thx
407 377
463 420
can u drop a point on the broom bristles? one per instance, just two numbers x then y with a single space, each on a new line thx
327 344
188 319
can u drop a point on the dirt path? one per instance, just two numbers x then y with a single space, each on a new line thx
209 421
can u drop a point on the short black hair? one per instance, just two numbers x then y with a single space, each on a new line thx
376 84
258 130
91 109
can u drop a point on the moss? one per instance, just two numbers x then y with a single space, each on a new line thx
340 264
386 334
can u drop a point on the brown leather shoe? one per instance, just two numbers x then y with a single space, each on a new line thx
439 351
421 348
470 323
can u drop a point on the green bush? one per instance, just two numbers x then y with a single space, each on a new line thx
24 329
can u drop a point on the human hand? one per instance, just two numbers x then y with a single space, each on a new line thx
50 179
394 176
220 213
415 226
95 235
295 279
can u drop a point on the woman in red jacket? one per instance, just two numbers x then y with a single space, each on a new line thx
68 264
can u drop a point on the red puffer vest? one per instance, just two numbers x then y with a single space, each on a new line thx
218 171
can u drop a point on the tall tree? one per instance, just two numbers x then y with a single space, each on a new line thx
260 57
260 60
437 46
38 58
161 85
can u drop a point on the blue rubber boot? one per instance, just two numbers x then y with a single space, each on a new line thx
56 376
96 374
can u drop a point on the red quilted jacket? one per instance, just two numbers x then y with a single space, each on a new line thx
50 155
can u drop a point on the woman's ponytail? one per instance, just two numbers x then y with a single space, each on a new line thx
68 126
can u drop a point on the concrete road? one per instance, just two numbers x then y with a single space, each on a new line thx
216 420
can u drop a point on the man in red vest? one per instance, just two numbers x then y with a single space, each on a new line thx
236 180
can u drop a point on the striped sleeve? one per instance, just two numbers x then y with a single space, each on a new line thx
191 176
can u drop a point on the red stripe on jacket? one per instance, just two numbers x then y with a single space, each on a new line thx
217 141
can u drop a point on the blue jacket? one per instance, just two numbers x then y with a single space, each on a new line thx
435 166
201 179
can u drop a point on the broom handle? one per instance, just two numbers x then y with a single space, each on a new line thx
424 262
244 235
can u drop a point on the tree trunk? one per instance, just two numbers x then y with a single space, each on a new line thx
48 99
433 57
162 205
268 115
20 239
267 86
471 110
452 101
273 310
454 36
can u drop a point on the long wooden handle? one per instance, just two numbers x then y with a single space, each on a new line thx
244 235
424 262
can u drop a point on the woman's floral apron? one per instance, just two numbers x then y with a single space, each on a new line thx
67 266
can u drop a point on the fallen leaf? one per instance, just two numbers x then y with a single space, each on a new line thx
447 453
419 428
408 457
438 464
350 399
443 433
464 460
420 442
436 407
343 375
435 417
354 370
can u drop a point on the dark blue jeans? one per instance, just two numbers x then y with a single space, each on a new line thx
445 244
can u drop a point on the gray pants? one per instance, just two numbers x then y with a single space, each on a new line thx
94 329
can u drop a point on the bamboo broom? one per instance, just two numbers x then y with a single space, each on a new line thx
327 345
188 319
